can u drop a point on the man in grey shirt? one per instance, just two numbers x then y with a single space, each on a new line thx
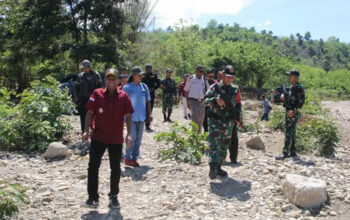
195 90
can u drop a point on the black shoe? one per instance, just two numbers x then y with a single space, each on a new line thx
186 117
213 170
293 154
233 162
169 120
189 116
281 157
113 202
221 172
148 128
91 203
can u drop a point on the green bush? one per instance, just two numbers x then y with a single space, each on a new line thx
277 120
11 197
188 145
37 120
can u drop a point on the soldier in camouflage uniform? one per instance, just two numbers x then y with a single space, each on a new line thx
221 115
168 86
293 100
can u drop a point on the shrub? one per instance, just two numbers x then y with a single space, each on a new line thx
188 145
11 197
36 121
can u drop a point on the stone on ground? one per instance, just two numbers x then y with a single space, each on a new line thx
304 191
256 143
55 150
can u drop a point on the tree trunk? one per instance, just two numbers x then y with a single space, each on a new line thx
22 77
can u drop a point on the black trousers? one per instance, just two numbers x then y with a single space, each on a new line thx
147 123
82 112
233 148
96 152
205 122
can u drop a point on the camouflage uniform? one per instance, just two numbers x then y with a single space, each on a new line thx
221 121
169 94
294 100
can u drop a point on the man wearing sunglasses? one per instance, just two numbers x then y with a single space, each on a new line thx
195 90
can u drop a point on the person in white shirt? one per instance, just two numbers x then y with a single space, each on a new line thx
195 90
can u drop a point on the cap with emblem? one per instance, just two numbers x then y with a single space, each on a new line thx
137 70
112 72
168 70
293 72
227 71
85 64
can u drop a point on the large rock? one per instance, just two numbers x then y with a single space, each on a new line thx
56 149
256 143
304 191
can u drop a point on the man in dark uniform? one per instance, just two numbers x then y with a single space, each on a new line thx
210 76
87 82
153 83
293 101
168 86
238 122
107 108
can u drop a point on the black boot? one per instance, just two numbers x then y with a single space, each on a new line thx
165 118
220 171
169 113
213 170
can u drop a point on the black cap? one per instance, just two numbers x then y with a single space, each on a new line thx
168 70
293 72
227 71
137 70
148 65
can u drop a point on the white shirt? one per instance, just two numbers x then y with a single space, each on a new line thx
196 87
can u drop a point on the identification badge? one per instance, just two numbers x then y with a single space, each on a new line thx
101 110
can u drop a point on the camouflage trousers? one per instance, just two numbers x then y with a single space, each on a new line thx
219 139
290 133
168 102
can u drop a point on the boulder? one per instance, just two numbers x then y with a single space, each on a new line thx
55 150
256 143
304 191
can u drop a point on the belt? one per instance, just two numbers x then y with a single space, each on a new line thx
199 100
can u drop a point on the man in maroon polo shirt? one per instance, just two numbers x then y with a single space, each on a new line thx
107 108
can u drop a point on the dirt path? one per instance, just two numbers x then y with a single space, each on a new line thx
174 190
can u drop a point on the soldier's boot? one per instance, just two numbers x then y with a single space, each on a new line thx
283 156
293 150
165 118
213 172
169 114
220 171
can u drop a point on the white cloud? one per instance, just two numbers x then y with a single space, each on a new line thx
168 12
267 22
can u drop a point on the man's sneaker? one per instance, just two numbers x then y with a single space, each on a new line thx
113 202
128 162
135 163
91 203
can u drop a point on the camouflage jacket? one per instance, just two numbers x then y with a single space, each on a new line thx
296 97
170 86
229 95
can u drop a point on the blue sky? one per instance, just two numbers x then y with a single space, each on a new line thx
323 18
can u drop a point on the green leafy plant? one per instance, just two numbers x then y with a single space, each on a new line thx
11 198
37 120
188 144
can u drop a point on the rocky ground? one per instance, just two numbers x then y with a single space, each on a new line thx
174 190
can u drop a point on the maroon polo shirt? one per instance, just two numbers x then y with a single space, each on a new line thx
109 112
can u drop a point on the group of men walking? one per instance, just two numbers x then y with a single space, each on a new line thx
214 104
